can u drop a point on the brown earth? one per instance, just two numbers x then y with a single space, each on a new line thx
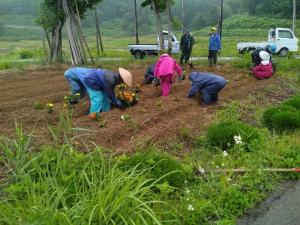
153 119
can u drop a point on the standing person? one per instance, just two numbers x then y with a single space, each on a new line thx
164 70
265 69
208 84
99 84
186 46
214 46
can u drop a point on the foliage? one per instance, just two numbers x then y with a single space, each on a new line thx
222 135
284 117
61 186
294 102
160 165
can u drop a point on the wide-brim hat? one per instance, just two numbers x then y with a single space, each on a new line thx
264 56
126 76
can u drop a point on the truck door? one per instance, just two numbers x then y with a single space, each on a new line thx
286 39
175 43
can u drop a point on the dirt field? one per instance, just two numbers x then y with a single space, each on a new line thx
154 118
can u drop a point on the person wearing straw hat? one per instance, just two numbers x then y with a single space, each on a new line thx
214 46
99 84
265 69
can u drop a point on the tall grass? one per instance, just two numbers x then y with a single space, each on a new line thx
58 185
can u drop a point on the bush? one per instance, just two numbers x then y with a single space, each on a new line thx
282 118
160 165
25 54
4 65
294 102
221 135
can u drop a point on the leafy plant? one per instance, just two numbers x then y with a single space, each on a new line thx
160 165
282 118
225 135
294 102
38 106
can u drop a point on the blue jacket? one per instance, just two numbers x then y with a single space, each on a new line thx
214 42
103 80
75 77
208 82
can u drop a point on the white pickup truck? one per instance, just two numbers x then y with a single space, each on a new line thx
283 38
139 51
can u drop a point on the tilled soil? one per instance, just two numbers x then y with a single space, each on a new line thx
153 119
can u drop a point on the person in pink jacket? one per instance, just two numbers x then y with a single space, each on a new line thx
265 69
164 70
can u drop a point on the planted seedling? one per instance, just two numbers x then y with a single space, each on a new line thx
50 107
38 106
72 99
134 126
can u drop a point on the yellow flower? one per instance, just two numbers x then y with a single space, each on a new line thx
49 104
77 94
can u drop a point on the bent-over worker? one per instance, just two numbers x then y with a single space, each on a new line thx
208 85
99 84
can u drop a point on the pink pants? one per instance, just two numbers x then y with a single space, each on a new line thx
165 84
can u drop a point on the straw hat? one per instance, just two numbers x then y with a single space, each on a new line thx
265 57
126 76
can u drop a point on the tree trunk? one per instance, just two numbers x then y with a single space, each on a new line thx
221 19
56 43
136 24
169 28
182 16
158 25
98 35
43 36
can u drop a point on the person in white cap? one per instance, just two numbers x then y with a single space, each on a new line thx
99 84
265 69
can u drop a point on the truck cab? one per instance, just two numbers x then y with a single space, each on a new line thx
139 51
284 39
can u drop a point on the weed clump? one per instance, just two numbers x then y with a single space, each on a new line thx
282 118
294 102
159 165
226 134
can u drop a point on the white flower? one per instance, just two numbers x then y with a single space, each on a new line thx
229 179
238 139
222 164
225 154
201 170
187 191
190 207
185 181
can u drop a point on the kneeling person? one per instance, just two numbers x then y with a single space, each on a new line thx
208 84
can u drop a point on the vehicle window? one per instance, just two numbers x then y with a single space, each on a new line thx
285 34
166 37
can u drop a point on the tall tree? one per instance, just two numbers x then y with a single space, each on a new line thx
136 24
169 27
51 19
158 6
52 16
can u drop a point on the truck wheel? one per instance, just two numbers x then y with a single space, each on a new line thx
139 54
283 52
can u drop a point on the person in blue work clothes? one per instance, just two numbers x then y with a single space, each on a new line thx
214 46
208 85
99 84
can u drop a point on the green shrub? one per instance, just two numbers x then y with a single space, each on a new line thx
25 54
294 102
160 165
221 135
282 118
4 65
